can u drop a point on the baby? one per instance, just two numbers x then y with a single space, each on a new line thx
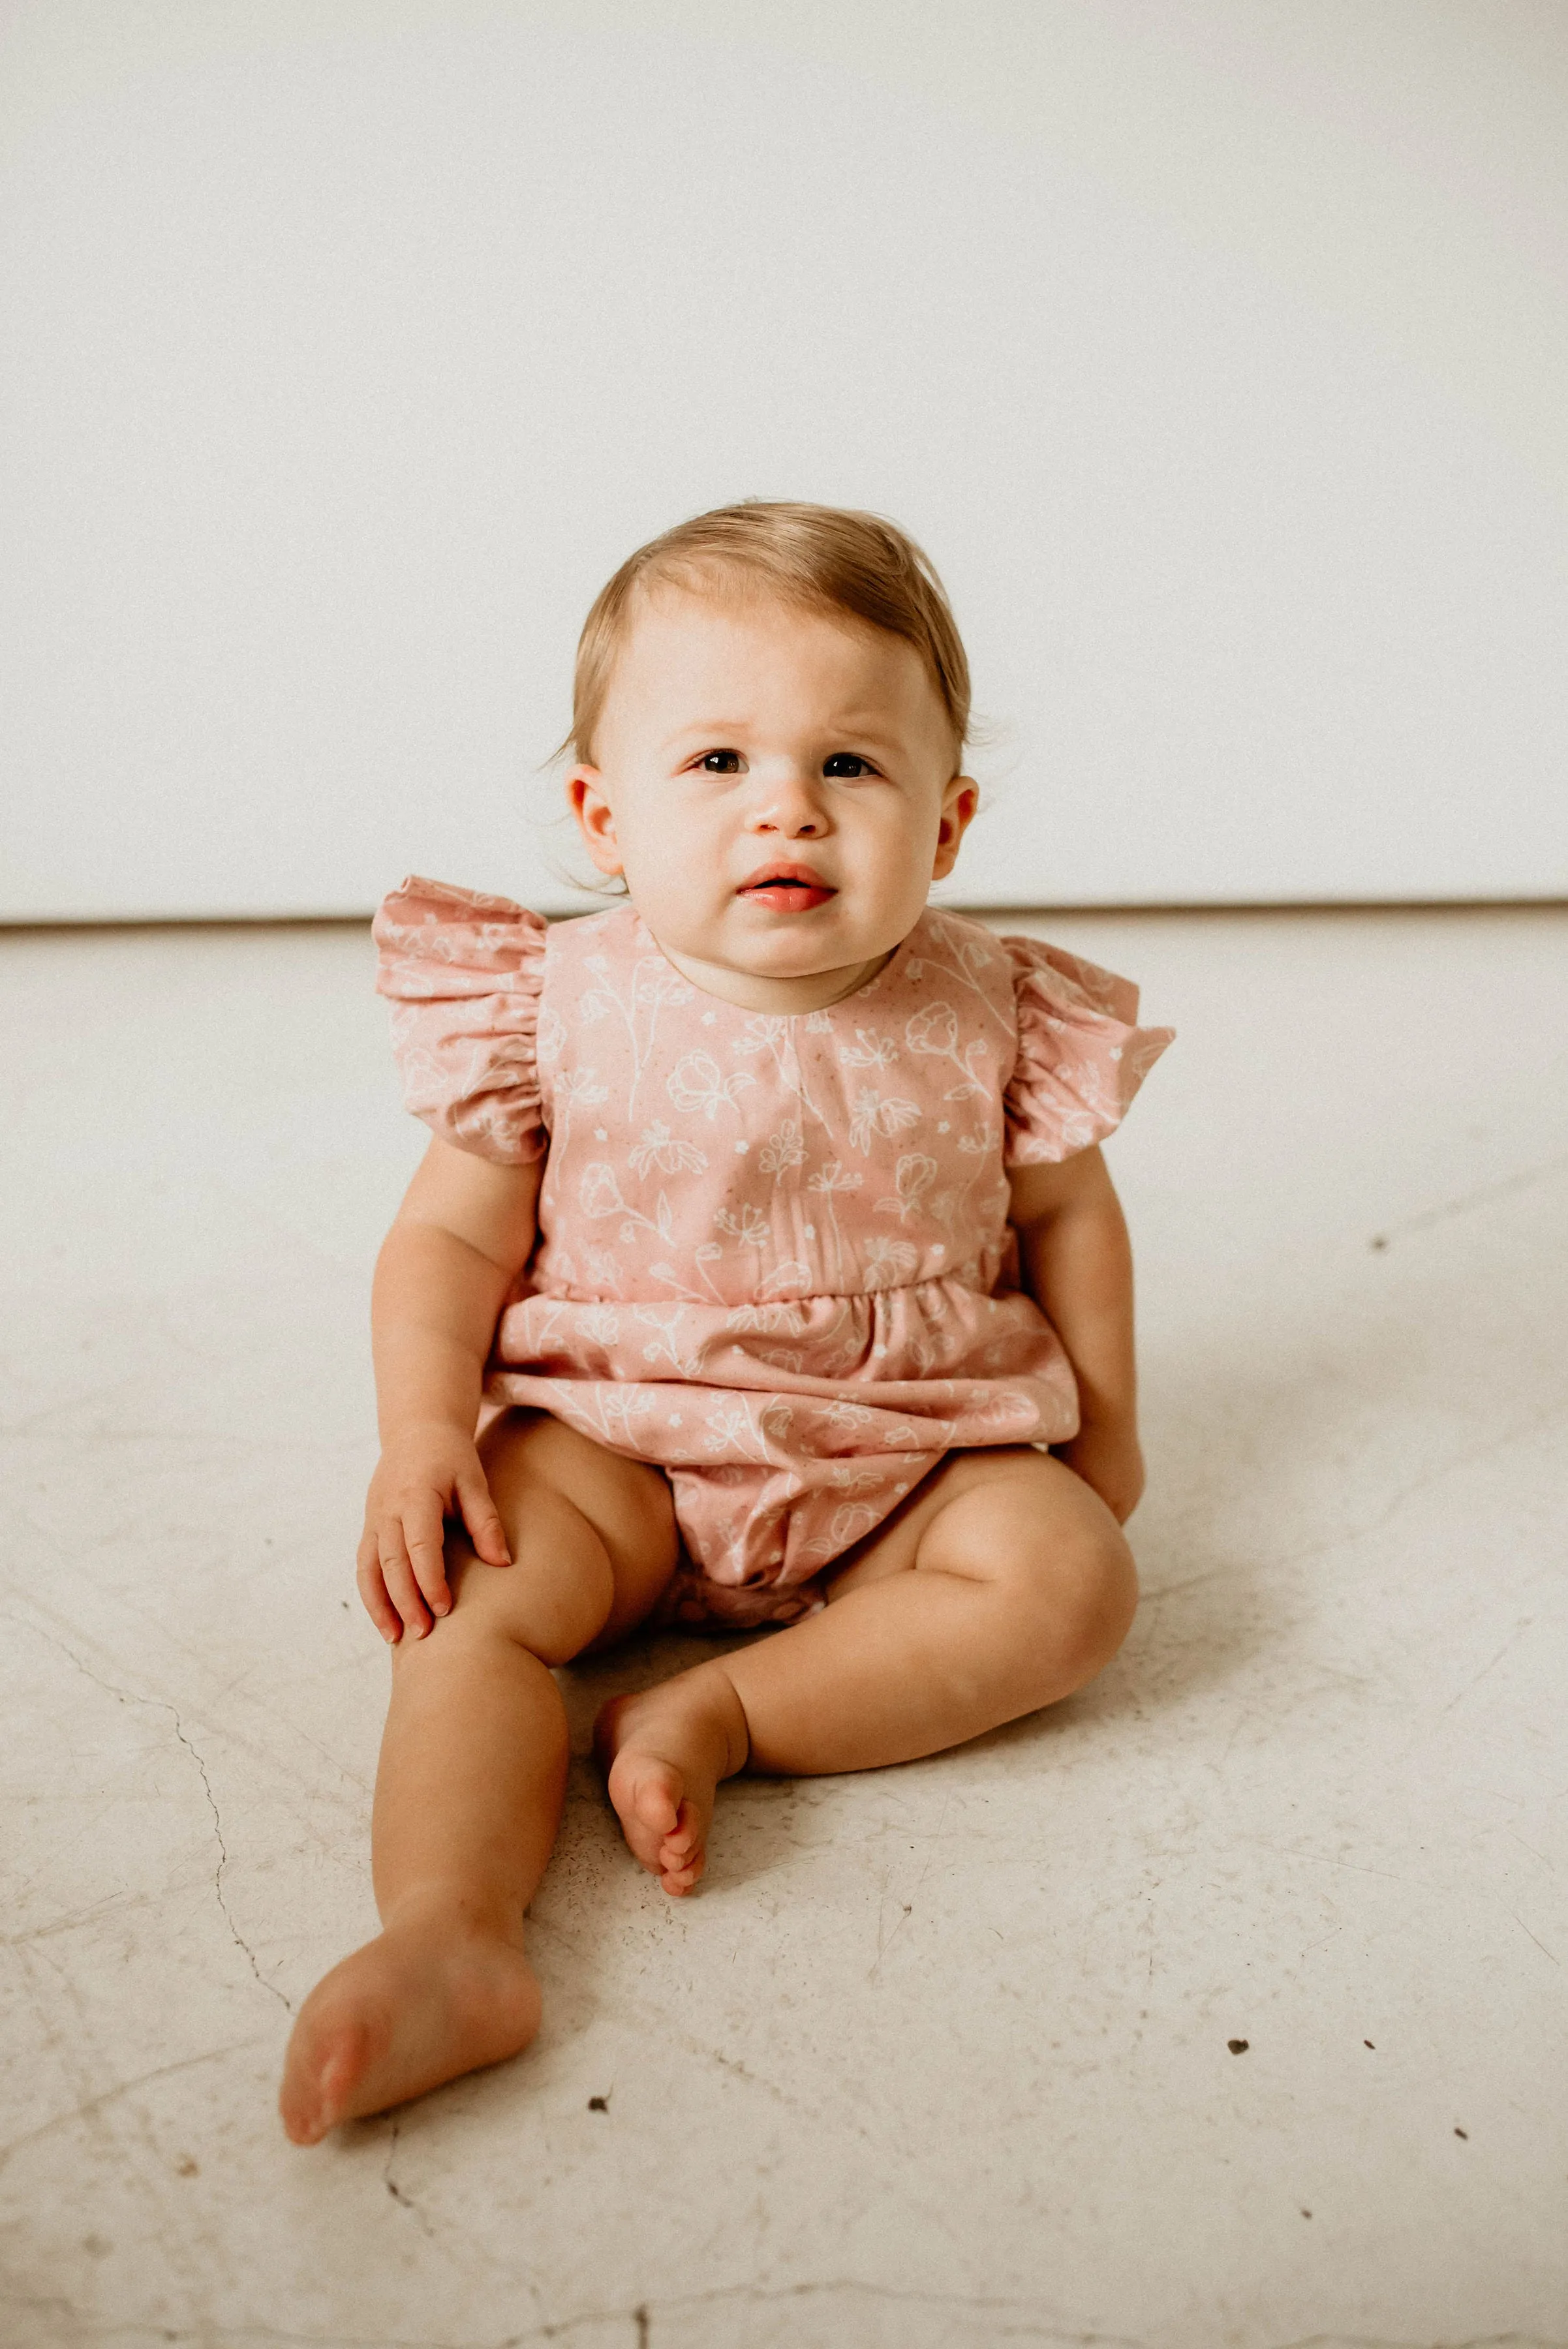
768 1207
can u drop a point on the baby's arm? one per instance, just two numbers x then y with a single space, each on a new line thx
1077 1267
464 1231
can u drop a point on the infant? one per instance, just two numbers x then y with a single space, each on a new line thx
768 1208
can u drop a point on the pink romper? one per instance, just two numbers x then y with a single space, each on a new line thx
774 1255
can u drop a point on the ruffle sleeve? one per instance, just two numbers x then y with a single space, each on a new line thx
465 974
1080 1054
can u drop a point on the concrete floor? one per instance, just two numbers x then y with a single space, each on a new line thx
939 2057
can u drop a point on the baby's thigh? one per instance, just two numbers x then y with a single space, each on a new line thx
593 1538
1019 1523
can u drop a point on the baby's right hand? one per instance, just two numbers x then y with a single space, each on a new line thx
425 1476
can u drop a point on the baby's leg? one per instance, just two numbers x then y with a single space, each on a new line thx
471 1777
1002 1583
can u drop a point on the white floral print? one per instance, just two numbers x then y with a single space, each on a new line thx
912 1176
659 1147
881 1114
888 1262
783 1149
697 1082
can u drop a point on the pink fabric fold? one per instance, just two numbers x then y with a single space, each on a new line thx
1080 1054
465 972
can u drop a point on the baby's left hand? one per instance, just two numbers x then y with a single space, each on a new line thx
1109 1458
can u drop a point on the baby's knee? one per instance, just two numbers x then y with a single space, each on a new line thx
1076 1603
553 1600
1106 1599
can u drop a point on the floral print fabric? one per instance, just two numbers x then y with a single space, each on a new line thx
774 1255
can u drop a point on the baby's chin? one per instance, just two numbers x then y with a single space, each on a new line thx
806 945
784 971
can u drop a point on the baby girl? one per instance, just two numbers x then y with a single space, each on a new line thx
768 1207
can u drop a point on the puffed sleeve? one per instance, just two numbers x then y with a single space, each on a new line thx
465 974
1080 1054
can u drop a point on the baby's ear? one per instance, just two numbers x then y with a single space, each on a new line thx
959 801
596 817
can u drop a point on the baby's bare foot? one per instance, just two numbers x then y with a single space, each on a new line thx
663 1755
407 2011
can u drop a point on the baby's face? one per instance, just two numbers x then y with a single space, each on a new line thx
777 788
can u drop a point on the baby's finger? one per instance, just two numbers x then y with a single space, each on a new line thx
424 1535
399 1576
481 1516
372 1589
373 1592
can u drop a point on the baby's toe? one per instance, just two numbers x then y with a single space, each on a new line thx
323 2067
683 1876
683 1839
646 1793
682 1855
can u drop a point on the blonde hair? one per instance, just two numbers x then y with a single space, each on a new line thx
818 558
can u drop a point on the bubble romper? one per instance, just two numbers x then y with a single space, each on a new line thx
774 1256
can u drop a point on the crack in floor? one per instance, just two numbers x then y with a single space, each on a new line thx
404 2201
121 2088
1451 1464
161 1704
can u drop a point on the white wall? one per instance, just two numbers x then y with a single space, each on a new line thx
1216 351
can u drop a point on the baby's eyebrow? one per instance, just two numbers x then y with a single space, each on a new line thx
718 730
867 729
870 720
726 731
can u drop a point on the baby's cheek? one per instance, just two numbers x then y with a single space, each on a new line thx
700 870
675 893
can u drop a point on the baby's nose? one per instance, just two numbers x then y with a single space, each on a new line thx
791 807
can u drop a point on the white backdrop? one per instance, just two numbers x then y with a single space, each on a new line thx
1216 351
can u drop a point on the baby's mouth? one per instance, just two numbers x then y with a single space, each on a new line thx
787 888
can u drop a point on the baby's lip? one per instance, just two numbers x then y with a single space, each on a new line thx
786 873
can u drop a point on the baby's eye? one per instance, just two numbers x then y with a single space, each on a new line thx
719 762
847 765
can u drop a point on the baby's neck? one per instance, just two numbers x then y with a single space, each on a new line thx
760 991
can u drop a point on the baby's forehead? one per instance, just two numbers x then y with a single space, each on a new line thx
677 635
725 601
